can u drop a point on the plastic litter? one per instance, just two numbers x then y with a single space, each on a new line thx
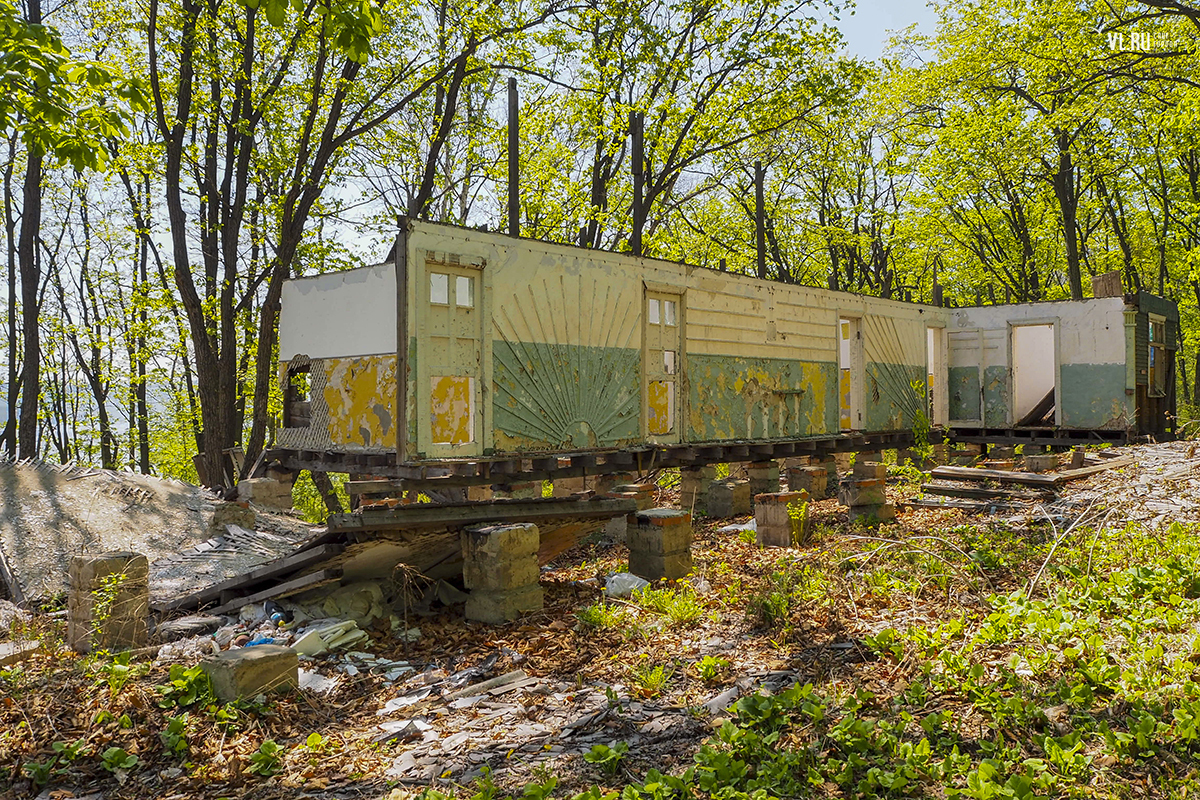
623 584
752 525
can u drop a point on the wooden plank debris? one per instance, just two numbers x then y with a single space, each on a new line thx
1047 480
980 493
294 586
272 569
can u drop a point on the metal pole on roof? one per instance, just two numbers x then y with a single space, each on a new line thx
760 213
514 160
639 213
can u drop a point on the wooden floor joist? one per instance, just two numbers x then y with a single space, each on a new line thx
1045 480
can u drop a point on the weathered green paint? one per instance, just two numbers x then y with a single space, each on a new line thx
411 414
1093 396
557 396
963 385
891 402
995 396
749 398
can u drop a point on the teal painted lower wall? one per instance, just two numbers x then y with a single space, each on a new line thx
751 398
890 402
963 386
554 396
1093 396
995 396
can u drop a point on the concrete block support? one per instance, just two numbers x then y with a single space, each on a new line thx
764 477
870 470
603 484
565 487
239 513
1000 452
1077 457
265 492
660 542
643 493
939 453
530 490
1042 462
108 602
866 499
500 567
251 671
693 488
480 494
814 480
772 518
829 464
728 498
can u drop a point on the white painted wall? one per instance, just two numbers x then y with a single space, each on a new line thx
1033 366
350 313
1090 331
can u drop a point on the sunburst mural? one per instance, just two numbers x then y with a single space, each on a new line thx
567 356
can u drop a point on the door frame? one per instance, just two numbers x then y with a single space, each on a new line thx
679 294
1056 329
857 358
453 263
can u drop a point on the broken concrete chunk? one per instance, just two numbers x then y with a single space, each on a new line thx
249 671
185 627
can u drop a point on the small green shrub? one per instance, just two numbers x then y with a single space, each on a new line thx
608 759
267 760
711 668
601 616
115 758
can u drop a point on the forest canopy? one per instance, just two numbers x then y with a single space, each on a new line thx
168 165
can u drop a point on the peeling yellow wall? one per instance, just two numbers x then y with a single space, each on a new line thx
360 395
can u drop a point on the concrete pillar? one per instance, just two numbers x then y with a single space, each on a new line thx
1000 452
1077 457
479 494
500 567
693 488
1041 462
565 487
251 671
239 513
938 453
604 484
529 490
266 493
108 601
773 520
843 461
868 455
864 493
764 477
643 493
728 498
660 544
814 480
828 463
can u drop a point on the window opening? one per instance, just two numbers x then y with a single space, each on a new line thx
464 292
439 288
297 406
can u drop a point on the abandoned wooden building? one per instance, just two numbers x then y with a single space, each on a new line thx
477 357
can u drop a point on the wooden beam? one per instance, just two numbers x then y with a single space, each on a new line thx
1001 476
978 492
294 586
461 515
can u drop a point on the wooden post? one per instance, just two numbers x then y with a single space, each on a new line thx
514 162
400 413
635 129
760 228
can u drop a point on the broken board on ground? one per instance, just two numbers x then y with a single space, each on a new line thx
369 544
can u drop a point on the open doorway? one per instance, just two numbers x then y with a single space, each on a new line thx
1033 370
935 376
849 374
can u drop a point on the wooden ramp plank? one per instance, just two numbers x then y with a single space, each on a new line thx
978 492
1001 476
